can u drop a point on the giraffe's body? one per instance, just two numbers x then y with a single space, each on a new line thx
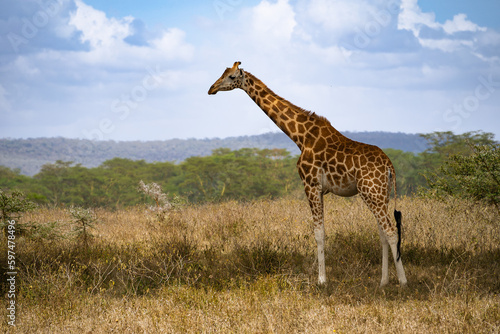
329 163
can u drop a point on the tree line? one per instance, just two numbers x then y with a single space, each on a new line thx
242 174
30 154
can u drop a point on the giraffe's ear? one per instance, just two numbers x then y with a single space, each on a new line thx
236 64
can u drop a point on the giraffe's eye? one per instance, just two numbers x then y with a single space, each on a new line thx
232 77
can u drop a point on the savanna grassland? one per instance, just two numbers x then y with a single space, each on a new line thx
250 267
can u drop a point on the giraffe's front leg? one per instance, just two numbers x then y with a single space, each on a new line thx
319 234
316 202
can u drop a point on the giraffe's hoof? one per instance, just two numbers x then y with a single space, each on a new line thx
322 281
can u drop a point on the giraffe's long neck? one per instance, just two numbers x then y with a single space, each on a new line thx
295 122
283 113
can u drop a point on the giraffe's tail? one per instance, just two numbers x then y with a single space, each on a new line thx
397 214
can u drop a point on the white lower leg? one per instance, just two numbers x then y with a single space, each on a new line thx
399 265
385 259
319 234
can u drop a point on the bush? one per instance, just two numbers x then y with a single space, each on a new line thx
162 204
84 220
12 206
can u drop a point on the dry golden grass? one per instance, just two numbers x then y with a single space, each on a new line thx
250 268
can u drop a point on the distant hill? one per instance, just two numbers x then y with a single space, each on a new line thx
30 154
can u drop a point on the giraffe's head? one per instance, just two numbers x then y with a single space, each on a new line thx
231 78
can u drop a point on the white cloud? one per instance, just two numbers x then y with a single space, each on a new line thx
339 17
171 45
273 22
412 18
445 45
106 37
460 23
97 29
332 55
26 67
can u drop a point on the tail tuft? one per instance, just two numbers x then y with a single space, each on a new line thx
398 216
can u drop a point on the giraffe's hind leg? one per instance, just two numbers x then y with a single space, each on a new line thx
389 239
397 261
385 257
388 236
388 230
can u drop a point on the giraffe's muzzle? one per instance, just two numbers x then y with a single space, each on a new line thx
213 90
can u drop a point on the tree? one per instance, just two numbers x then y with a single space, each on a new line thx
476 176
409 171
445 144
242 174
13 179
54 177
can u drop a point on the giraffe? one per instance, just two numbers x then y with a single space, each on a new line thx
329 163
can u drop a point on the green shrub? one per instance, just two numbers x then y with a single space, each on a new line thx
12 206
83 220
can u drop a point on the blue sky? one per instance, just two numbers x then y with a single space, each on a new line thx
483 12
130 70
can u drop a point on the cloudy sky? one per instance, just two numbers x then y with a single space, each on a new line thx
140 70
